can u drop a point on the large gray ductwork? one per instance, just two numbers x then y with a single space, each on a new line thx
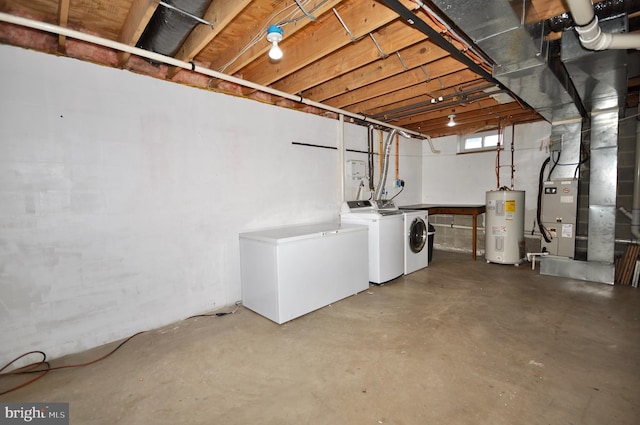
508 32
600 78
584 85
592 35
520 52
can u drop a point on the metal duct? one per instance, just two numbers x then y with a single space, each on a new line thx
602 186
531 67
522 56
168 28
600 77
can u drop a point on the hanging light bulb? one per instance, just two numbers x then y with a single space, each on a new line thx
274 36
451 122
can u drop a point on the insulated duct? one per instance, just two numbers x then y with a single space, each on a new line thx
169 27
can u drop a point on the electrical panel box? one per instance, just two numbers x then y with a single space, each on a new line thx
559 216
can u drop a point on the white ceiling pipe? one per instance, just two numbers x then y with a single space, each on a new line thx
591 36
55 29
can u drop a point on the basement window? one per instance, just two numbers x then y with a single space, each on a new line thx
478 142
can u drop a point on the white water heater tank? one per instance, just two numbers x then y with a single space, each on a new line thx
504 227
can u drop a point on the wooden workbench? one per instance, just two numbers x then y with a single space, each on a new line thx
472 210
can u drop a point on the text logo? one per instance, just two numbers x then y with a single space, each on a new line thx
34 413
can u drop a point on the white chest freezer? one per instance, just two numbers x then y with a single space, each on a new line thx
290 271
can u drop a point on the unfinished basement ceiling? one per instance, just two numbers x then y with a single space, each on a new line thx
360 56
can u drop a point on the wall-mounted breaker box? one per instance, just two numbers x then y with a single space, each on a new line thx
559 216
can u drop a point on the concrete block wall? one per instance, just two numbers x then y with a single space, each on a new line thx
626 170
627 136
454 233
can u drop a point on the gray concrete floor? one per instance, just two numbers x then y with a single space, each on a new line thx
461 342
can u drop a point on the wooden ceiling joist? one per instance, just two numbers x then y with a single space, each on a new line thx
139 15
384 59
391 38
362 17
63 20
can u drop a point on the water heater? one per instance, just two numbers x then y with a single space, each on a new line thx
504 227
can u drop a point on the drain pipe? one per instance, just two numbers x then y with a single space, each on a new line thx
591 36
433 149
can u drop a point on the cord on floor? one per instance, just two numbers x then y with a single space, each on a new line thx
36 367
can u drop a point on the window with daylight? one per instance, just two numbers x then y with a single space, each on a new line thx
479 142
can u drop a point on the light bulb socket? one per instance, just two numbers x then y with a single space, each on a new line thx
274 34
451 122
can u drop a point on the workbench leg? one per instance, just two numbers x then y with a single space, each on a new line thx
474 236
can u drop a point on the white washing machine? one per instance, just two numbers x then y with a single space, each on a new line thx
416 240
386 240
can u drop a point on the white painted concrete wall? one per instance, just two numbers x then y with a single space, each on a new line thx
122 197
408 167
450 178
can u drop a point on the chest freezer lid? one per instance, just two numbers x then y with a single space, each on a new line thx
298 232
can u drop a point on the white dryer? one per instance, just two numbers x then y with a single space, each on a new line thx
385 222
416 240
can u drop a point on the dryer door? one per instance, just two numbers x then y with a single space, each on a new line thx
417 235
